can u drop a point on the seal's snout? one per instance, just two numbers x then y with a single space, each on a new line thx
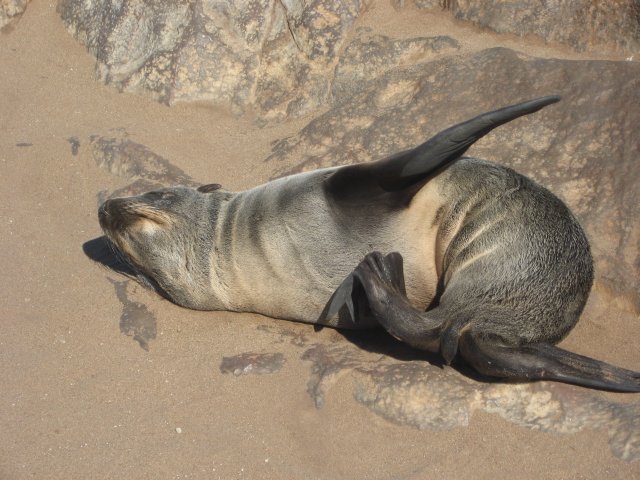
103 215
114 214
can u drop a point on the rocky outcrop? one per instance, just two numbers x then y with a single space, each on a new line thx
283 58
273 56
413 392
11 10
605 27
371 56
585 149
125 158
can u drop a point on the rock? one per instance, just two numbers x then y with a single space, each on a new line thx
415 393
11 10
275 56
585 149
605 27
125 158
252 363
369 57
287 58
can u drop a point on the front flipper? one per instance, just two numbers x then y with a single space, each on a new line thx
378 273
376 289
396 179
543 362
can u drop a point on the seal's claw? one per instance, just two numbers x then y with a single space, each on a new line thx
342 296
372 278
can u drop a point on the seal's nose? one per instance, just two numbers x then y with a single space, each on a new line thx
116 214
103 214
108 214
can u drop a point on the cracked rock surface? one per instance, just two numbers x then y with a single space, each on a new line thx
11 10
287 58
275 56
612 26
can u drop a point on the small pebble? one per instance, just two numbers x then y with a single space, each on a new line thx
178 430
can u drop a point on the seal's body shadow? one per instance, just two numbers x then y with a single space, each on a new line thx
378 340
100 252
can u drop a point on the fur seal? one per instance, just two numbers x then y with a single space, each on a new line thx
482 262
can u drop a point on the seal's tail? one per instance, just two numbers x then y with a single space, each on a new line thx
544 362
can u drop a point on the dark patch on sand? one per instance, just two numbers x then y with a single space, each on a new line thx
126 158
134 161
136 320
75 145
294 335
252 363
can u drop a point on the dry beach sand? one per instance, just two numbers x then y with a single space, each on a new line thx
103 379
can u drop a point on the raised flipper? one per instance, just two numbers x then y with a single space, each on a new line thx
543 362
401 171
376 289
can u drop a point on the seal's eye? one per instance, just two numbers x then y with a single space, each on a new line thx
155 196
212 187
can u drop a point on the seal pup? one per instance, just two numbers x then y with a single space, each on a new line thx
482 262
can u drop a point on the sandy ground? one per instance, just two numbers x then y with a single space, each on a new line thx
81 399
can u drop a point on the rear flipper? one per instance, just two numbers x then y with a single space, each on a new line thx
543 362
376 289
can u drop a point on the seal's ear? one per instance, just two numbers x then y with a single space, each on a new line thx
212 187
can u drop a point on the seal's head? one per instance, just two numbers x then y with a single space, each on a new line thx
166 236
